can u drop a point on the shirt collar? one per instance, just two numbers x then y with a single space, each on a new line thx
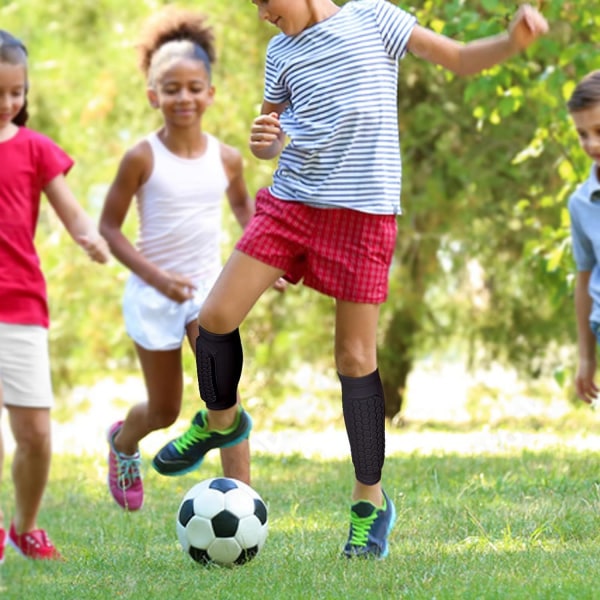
594 184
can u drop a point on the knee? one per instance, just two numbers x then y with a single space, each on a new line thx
33 440
162 419
355 361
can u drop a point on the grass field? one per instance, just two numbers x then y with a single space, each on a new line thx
523 525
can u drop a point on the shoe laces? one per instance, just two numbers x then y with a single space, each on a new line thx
196 433
360 528
128 471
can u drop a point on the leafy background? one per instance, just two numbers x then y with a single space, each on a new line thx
482 273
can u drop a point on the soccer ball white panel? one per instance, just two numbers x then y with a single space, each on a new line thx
209 503
250 532
239 502
199 532
224 550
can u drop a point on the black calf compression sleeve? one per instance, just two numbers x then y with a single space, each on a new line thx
364 414
219 361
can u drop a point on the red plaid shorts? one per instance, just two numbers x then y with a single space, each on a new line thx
339 252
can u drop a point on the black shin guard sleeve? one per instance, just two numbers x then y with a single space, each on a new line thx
219 361
364 415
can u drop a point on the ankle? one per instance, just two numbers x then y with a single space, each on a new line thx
121 448
370 493
220 420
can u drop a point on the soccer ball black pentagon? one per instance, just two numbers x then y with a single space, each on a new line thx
222 520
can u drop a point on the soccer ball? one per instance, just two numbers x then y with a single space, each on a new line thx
223 521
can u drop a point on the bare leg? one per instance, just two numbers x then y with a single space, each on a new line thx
240 284
356 356
31 463
163 376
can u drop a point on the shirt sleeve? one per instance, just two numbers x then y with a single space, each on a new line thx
275 92
583 249
395 26
52 161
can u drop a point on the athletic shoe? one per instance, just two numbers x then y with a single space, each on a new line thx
2 544
186 453
369 529
124 478
33 544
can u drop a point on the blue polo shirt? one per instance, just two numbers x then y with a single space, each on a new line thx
584 209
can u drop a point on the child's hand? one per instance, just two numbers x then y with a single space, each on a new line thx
585 386
173 285
95 246
527 25
280 285
265 131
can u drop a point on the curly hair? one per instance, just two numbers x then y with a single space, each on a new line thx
173 24
14 52
586 93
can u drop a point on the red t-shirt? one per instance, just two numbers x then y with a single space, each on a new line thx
29 161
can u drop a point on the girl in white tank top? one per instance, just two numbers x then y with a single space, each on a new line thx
179 176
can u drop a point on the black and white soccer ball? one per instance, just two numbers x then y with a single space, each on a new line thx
223 521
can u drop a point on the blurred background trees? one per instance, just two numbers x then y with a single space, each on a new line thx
482 271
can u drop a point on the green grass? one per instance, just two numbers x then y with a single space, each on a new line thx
520 526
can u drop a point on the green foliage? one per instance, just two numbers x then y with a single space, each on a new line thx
483 258
519 526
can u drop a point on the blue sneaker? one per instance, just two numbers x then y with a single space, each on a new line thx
186 453
370 528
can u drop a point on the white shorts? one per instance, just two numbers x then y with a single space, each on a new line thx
156 322
25 366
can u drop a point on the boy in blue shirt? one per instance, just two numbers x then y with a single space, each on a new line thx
584 209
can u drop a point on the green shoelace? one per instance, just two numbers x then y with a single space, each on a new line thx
196 434
193 435
360 528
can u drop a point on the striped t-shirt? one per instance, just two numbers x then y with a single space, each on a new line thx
339 78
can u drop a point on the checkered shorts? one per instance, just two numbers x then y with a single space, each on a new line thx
339 252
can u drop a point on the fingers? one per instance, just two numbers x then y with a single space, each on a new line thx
265 130
95 247
586 391
536 23
180 288
280 285
532 19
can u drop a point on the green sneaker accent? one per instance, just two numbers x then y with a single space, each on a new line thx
186 453
199 433
370 528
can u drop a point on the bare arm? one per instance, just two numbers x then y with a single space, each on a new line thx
266 136
133 171
478 55
241 204
77 222
131 174
586 342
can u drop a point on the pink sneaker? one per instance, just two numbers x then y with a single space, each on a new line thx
124 479
33 544
2 544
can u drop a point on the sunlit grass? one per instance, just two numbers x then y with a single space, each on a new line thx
514 526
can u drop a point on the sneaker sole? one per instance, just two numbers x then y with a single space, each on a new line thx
199 462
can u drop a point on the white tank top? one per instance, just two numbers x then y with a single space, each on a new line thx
179 210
